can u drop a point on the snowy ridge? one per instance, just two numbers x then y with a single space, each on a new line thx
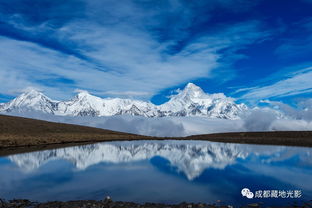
191 101
29 101
190 158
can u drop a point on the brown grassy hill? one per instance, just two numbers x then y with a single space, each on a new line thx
289 138
24 132
19 134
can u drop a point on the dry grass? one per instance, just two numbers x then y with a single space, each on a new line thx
288 138
19 134
24 132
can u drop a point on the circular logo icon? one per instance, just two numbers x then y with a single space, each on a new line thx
247 193
250 195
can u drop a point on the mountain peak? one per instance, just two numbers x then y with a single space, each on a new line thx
192 91
85 97
30 100
31 92
191 86
83 94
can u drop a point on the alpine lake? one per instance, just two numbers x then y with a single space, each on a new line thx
161 171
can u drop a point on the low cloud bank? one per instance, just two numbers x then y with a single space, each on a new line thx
268 120
162 127
280 117
277 117
258 120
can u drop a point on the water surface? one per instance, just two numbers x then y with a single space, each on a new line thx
158 171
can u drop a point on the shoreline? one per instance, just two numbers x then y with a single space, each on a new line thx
20 135
11 150
108 203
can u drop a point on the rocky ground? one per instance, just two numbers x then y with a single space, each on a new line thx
108 203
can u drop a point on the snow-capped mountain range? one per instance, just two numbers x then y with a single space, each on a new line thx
191 158
191 101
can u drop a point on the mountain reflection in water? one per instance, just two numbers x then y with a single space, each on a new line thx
159 171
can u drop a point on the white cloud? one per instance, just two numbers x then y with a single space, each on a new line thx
291 125
120 53
278 117
255 120
259 120
297 83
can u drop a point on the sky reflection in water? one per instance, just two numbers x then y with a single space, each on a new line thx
157 171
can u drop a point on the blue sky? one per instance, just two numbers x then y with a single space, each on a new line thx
250 50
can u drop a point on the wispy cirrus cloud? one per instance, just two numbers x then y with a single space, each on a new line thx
140 48
294 83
